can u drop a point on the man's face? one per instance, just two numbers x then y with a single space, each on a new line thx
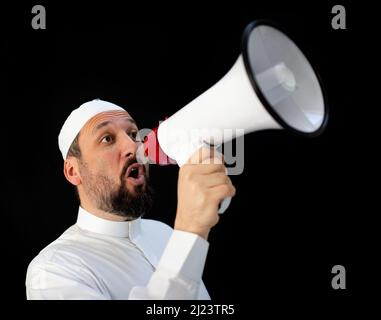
110 175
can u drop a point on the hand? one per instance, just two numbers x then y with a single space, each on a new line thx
202 185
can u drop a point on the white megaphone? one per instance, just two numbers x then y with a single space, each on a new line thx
271 86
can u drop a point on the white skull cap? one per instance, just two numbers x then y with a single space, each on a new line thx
78 118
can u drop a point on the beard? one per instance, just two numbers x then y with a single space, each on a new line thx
115 198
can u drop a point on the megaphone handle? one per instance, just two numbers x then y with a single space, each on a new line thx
224 204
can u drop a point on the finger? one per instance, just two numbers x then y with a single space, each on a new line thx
206 156
223 191
215 179
206 168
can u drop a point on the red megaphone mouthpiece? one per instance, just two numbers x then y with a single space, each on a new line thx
153 151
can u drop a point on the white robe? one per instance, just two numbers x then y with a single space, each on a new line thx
103 259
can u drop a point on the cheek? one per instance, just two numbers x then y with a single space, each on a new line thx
106 166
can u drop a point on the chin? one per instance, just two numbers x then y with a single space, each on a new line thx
135 190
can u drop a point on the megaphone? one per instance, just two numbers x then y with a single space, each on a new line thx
271 86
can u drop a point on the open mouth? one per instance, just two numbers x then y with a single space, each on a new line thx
135 174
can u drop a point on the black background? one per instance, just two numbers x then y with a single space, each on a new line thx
302 205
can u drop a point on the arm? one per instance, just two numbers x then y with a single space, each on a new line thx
178 274
201 187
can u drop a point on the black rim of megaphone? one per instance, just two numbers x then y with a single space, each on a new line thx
269 108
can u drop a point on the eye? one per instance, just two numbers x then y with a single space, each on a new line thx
107 139
133 135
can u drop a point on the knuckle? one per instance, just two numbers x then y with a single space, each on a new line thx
194 187
224 178
203 199
187 173
183 170
226 189
233 191
221 167
222 191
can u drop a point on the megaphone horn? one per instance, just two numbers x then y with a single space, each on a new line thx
271 86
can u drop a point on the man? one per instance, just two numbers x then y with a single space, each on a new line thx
111 252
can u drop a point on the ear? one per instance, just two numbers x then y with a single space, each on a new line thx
71 171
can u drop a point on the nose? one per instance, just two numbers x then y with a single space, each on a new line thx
128 146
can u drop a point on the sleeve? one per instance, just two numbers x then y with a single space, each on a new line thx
179 271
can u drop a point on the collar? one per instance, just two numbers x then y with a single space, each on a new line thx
122 229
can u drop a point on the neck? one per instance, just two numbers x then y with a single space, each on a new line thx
89 207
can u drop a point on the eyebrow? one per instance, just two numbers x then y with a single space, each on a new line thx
105 123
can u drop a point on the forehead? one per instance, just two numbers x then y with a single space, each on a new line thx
106 118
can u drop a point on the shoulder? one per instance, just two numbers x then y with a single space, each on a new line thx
64 262
156 234
156 230
61 271
59 252
154 225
